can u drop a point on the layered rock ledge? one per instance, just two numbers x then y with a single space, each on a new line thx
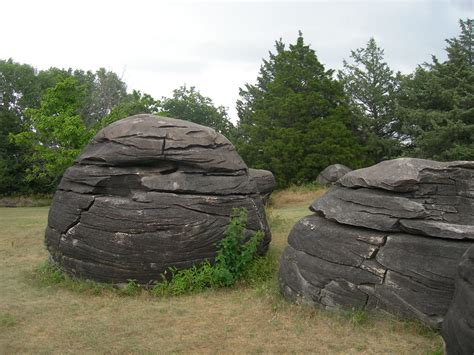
387 236
146 194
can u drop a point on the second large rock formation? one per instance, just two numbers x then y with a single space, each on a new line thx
390 236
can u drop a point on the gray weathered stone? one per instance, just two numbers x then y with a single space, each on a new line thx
341 266
389 236
458 326
149 193
332 173
406 195
405 174
265 181
368 208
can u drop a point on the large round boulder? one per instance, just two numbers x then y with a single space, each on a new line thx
149 193
390 236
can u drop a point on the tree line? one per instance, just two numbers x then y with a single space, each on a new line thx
297 118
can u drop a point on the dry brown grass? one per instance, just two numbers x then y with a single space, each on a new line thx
39 319
295 195
39 200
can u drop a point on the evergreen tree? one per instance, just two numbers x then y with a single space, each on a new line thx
371 87
294 120
437 103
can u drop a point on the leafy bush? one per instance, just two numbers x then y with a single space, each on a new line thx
234 257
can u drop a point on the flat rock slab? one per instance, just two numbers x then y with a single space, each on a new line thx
405 174
458 326
149 193
387 211
340 266
368 208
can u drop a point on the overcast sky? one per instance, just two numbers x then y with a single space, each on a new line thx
217 46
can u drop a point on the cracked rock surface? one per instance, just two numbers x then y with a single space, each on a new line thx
146 194
388 236
458 326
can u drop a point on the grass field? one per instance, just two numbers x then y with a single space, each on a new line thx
39 318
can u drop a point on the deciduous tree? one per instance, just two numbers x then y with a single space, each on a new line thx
19 89
135 103
56 136
189 104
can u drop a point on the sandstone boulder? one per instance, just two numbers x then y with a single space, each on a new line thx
388 236
332 173
412 174
458 326
265 182
406 195
146 194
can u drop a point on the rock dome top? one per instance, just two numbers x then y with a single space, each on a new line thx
145 139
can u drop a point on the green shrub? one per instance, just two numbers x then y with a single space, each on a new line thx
131 288
234 257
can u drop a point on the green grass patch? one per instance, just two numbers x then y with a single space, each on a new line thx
7 320
305 187
49 274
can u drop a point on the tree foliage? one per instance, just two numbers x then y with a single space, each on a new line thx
371 87
190 105
437 103
47 116
57 133
18 91
134 104
104 91
294 121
